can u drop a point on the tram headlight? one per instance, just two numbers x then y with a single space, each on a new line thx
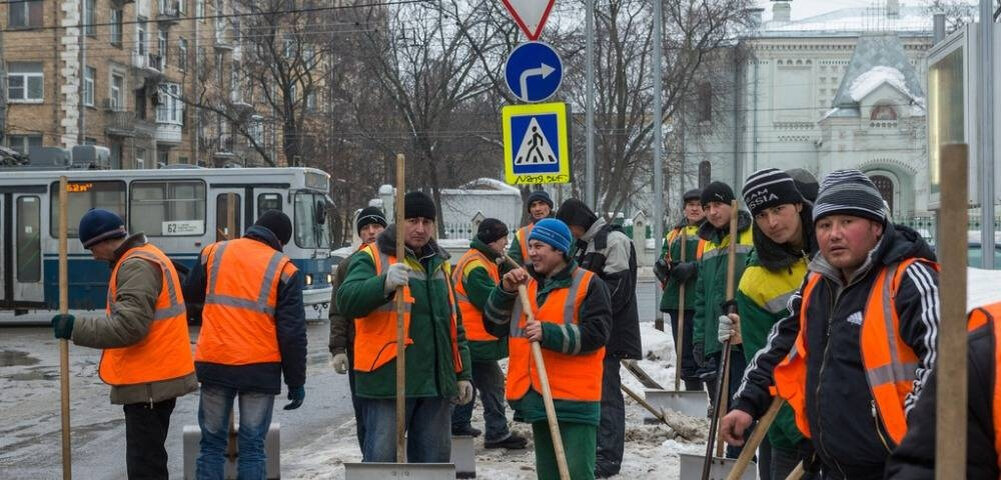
330 278
309 279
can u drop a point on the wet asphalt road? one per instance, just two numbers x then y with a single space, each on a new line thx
30 439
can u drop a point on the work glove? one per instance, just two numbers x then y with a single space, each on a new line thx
340 363
296 395
682 272
729 329
661 270
699 353
397 275
62 325
465 392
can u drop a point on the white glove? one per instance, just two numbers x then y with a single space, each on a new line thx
729 329
397 275
465 392
340 363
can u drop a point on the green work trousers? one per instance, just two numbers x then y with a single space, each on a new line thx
579 443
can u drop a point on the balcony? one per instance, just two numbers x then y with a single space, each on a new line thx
168 134
150 62
168 12
123 123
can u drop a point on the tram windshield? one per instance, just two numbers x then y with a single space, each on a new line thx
311 228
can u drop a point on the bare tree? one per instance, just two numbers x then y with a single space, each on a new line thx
957 12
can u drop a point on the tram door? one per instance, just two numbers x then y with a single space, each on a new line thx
21 278
228 213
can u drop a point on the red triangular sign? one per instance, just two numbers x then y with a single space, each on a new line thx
530 15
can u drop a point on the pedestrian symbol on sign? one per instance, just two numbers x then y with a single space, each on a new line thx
534 149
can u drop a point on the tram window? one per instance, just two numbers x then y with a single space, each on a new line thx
309 232
222 217
83 196
168 209
29 240
268 201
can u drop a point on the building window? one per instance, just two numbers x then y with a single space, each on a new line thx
170 109
25 82
141 36
89 24
883 113
256 129
90 73
182 54
311 102
161 45
200 9
24 143
704 108
115 25
83 196
140 158
89 141
24 14
218 68
116 97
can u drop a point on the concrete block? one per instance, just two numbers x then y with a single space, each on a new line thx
272 449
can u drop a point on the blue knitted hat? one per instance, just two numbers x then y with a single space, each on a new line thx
98 225
553 232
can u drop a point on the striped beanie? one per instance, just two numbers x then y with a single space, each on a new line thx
849 192
769 187
553 232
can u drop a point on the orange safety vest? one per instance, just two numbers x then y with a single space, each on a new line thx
165 352
979 317
472 317
238 320
523 234
889 363
375 333
676 233
571 377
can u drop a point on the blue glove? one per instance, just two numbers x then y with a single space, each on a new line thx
62 326
296 395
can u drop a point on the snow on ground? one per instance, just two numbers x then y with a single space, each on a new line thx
651 450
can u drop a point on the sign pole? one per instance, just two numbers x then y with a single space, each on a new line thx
986 124
658 164
589 192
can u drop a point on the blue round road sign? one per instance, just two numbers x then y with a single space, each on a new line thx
533 72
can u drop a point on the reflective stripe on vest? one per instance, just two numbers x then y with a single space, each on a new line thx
699 249
165 352
572 376
889 363
991 315
523 234
375 333
238 320
472 317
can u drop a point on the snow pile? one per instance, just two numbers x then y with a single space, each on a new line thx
982 287
491 183
869 81
651 451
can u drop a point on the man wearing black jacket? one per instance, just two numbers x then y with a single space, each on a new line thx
606 251
914 459
850 403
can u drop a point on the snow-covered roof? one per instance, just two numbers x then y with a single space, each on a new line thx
490 183
912 20
876 76
878 58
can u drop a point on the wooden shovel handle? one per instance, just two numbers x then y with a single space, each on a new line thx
756 437
401 358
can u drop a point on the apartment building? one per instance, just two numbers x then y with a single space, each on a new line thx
126 74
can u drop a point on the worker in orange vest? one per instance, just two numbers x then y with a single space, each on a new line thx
914 459
572 313
370 223
857 348
144 334
539 206
253 332
476 274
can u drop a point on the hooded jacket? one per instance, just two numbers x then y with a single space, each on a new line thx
774 273
845 429
290 326
608 252
429 362
710 289
139 284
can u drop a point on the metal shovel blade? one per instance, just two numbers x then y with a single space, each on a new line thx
390 471
691 468
692 404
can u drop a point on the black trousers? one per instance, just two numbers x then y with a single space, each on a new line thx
612 428
145 431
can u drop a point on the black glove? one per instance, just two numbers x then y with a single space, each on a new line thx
682 272
811 462
698 353
661 270
62 326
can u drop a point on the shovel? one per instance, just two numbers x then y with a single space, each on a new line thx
690 403
64 345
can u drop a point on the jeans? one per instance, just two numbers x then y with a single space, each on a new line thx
356 402
145 431
429 438
214 409
488 381
612 429
737 365
784 461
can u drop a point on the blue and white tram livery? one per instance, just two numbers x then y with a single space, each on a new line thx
180 211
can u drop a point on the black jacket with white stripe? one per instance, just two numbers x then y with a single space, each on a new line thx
846 434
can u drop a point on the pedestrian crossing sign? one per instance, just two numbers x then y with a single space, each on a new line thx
536 143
